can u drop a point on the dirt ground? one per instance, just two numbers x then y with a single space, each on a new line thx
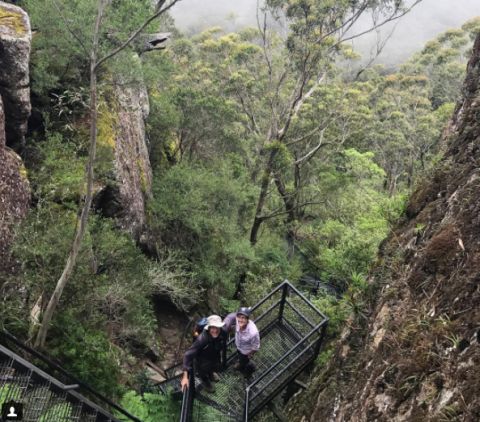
172 327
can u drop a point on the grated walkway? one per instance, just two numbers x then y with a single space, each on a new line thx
291 333
229 395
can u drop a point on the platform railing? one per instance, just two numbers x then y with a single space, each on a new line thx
57 378
310 326
287 307
187 398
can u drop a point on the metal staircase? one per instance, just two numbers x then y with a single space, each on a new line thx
46 398
291 331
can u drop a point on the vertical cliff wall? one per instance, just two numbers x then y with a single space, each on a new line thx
132 163
15 42
122 133
415 355
15 39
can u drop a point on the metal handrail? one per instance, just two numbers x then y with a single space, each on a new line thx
282 384
246 404
33 369
275 290
76 381
278 374
294 308
279 361
187 398
309 303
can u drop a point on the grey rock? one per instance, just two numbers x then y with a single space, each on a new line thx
14 197
124 198
15 43
2 125
132 163
150 42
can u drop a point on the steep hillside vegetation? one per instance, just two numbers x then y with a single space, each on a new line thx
414 355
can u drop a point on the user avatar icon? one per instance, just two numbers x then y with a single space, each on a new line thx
12 411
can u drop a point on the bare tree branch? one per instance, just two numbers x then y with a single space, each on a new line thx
298 103
313 151
391 18
159 12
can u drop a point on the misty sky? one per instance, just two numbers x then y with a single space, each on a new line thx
425 21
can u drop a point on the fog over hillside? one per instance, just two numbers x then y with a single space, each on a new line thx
424 22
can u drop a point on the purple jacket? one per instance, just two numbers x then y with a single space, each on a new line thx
248 340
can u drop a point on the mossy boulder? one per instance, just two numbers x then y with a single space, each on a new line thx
14 197
123 157
15 42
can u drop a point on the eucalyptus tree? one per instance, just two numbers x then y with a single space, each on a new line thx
106 42
315 33
411 106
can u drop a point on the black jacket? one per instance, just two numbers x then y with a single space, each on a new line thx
207 348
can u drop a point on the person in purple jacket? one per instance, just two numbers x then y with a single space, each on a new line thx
247 339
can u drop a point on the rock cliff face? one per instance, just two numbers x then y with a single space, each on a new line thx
14 111
15 41
415 357
125 199
132 163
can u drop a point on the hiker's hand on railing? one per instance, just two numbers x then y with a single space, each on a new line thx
184 381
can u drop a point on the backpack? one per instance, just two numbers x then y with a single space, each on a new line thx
199 327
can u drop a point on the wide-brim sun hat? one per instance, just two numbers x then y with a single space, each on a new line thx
214 321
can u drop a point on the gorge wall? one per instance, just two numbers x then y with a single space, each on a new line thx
126 199
414 355
15 39
121 132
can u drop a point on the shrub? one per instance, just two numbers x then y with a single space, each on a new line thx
150 407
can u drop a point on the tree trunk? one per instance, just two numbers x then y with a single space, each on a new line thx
257 221
95 64
290 202
83 220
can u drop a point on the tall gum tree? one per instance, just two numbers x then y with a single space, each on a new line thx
316 32
96 63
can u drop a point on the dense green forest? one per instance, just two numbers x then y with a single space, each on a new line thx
275 154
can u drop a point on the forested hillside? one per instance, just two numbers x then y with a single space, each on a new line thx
224 163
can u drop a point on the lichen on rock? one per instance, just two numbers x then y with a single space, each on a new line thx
15 44
122 149
12 22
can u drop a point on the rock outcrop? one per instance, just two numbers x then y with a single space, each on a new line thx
14 111
416 356
15 42
132 163
125 199
14 196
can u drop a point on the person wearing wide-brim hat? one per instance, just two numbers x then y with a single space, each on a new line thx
206 350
